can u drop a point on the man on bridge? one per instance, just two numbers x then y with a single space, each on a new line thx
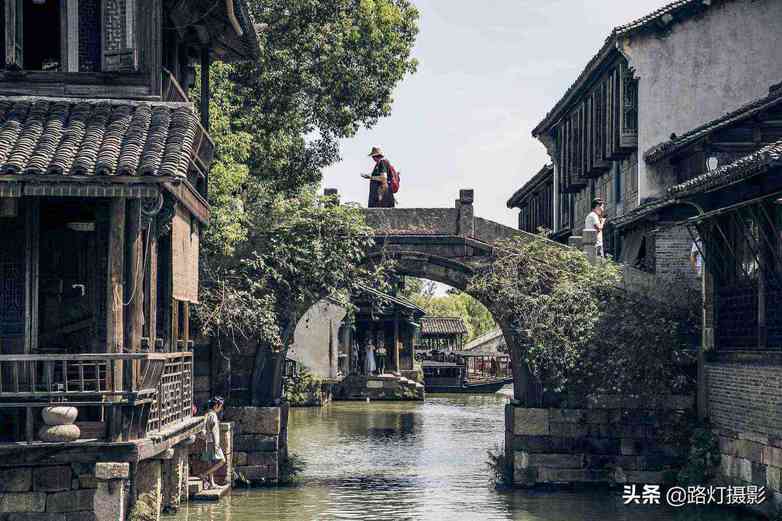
380 193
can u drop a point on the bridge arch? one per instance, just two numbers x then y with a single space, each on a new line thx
450 245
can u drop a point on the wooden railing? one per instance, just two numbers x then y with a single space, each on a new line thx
126 377
174 397
154 389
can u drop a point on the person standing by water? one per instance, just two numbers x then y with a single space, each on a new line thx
371 366
213 455
380 193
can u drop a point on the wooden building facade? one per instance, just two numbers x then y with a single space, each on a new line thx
535 201
442 334
103 176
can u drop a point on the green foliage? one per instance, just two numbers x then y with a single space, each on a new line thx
455 303
585 334
273 248
500 466
326 69
290 468
703 459
145 508
297 251
300 388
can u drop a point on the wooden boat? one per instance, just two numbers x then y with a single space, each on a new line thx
448 377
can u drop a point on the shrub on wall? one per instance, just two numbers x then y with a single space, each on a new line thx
586 335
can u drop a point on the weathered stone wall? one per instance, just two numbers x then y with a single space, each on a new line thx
315 340
75 492
440 221
259 443
745 409
611 440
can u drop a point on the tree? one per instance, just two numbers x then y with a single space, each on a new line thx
454 303
326 70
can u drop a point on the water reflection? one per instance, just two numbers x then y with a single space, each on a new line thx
412 461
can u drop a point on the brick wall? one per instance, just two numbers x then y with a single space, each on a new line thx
745 398
89 36
745 409
672 254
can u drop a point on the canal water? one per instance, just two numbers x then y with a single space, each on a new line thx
396 461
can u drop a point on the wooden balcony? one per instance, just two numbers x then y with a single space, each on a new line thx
124 396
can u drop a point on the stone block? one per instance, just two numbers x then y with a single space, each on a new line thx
256 443
33 516
567 415
374 384
728 466
571 430
82 516
110 504
771 456
87 481
19 479
105 471
259 472
645 476
262 458
71 501
22 502
773 481
52 479
556 461
727 446
744 469
533 422
599 416
554 475
254 420
749 450
628 447
599 445
547 444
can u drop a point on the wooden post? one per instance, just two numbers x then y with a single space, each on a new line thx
150 289
114 309
397 366
134 288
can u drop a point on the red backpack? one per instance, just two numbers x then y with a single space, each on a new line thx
393 177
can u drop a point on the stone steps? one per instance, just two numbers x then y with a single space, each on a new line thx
196 491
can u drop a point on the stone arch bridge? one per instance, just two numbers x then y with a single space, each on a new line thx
448 245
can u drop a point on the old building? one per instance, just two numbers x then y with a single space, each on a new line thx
377 344
442 334
654 78
535 201
103 177
731 187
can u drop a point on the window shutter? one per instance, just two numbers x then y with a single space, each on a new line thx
120 51
12 16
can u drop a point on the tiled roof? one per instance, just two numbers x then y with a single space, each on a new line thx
519 194
90 137
681 8
640 212
744 112
754 163
443 326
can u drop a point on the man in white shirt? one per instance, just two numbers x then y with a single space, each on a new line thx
595 222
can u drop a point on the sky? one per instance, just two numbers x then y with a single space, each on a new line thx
489 71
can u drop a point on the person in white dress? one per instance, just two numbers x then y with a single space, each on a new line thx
370 359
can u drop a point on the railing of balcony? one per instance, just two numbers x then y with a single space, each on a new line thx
157 387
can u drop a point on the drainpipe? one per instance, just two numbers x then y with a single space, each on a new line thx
229 8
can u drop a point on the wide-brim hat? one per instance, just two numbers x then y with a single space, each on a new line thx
376 151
